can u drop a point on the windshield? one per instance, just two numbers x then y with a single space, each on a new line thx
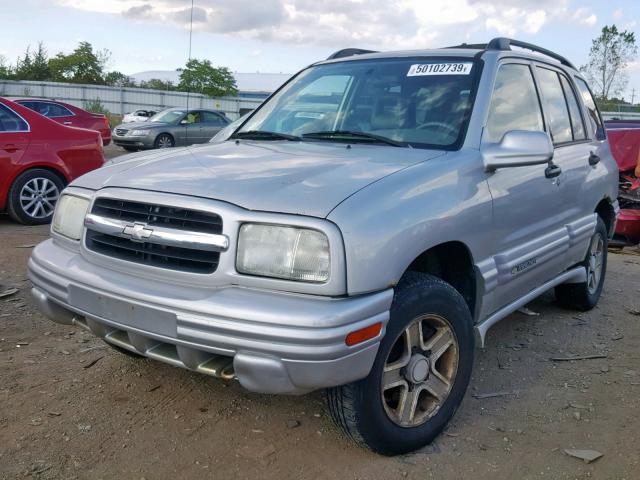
170 116
421 102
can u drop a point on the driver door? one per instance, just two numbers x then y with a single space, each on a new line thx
528 216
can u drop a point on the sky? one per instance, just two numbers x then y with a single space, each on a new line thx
283 36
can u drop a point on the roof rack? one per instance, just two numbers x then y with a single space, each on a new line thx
503 44
348 52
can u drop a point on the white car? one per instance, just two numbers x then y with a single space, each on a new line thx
138 116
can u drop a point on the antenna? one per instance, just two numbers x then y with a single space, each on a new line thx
186 129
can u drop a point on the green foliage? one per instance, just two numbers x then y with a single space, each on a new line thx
95 106
33 65
157 84
610 54
201 76
83 65
118 79
6 71
86 65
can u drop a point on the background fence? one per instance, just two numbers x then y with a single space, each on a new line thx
123 100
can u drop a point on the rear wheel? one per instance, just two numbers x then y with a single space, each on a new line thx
420 374
164 140
584 296
33 196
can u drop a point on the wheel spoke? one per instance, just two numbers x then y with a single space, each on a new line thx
408 404
439 343
392 377
414 335
437 385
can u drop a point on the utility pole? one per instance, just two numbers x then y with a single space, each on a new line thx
633 95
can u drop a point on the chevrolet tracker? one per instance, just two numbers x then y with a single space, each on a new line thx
359 232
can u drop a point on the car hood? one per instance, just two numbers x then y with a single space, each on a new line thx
308 178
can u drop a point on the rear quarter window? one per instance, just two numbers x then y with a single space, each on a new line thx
595 120
10 121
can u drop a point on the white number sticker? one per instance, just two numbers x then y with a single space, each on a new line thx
439 69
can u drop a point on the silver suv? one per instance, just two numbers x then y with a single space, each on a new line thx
355 233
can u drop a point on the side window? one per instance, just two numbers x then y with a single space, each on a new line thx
594 115
514 103
53 110
555 106
574 110
213 119
194 117
10 122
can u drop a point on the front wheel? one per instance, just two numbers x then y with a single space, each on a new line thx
164 140
584 296
420 374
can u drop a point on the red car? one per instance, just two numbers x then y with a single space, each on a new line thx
624 139
38 157
70 115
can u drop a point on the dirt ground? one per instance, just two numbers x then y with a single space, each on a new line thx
70 407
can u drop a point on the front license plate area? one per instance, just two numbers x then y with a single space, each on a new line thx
127 314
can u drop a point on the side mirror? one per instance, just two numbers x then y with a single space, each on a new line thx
518 148
183 121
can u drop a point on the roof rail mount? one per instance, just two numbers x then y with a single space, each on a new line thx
502 43
349 52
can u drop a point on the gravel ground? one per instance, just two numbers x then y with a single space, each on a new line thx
70 407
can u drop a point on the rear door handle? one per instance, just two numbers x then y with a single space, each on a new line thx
593 159
552 171
11 148
67 123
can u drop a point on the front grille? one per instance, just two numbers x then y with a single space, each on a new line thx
121 132
147 252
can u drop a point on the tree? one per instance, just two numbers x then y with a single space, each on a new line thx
83 65
201 77
5 69
119 79
34 65
610 54
157 84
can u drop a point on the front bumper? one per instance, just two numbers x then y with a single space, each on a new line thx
272 342
137 142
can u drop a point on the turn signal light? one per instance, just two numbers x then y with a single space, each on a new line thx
364 334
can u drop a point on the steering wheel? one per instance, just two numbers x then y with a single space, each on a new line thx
441 125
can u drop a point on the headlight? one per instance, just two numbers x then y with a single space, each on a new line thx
283 252
69 216
138 133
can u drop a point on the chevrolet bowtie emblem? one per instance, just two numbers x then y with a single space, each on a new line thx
138 232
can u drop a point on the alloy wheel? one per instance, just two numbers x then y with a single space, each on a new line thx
594 266
420 371
38 197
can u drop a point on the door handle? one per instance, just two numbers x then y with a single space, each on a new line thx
593 159
552 171
11 148
67 123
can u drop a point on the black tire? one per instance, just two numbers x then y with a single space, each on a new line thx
164 140
582 296
359 408
129 353
131 149
21 210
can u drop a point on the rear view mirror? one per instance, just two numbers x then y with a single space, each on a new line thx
518 148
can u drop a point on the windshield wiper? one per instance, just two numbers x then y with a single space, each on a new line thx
265 135
330 134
